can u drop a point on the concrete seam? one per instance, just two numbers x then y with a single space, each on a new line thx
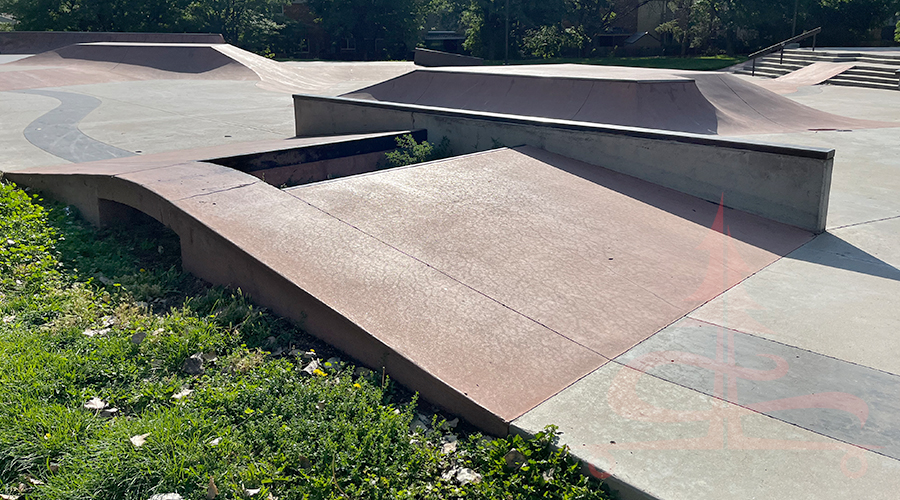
625 366
865 222
217 191
444 273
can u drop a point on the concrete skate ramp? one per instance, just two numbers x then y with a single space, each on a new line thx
35 42
704 103
813 74
144 61
100 62
487 283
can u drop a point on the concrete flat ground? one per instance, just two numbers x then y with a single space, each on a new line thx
786 385
688 364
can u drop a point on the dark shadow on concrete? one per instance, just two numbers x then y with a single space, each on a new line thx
57 132
830 250
301 165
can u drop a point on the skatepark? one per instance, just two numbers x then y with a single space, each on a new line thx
693 276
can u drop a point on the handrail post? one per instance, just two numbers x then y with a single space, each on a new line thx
814 43
753 68
781 58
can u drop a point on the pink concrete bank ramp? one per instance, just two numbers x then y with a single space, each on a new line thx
487 282
686 101
101 62
813 74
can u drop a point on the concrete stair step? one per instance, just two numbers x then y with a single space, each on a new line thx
861 83
870 75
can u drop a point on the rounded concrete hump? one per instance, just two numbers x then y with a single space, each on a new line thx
144 61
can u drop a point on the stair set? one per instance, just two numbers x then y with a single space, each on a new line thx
875 70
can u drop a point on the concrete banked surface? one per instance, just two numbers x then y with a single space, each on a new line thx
462 277
522 288
686 101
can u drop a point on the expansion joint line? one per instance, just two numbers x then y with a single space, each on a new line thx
444 273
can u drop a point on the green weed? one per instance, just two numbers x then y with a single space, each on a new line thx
410 152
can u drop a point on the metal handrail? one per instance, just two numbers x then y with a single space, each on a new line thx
780 46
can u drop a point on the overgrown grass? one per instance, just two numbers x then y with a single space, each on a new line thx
711 63
106 320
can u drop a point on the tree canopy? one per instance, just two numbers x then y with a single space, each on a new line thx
375 29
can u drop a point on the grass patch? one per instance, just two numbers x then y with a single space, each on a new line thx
122 377
711 63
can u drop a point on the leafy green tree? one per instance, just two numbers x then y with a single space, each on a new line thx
376 28
847 22
485 24
552 41
246 23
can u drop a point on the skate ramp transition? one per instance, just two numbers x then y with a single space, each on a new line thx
101 62
696 102
409 269
35 42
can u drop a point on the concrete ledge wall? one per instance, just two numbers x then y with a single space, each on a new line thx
428 57
788 184
35 42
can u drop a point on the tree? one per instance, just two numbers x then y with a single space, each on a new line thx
485 24
376 27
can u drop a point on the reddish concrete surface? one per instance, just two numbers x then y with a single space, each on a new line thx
813 74
101 62
488 282
698 102
601 258
118 61
35 42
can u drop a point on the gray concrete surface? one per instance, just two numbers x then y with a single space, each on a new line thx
19 111
676 443
842 400
57 132
152 116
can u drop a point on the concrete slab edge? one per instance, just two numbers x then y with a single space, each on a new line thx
636 132
626 491
788 184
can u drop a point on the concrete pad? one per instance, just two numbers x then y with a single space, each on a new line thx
845 401
857 102
880 240
828 297
602 258
158 116
19 110
57 132
675 443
